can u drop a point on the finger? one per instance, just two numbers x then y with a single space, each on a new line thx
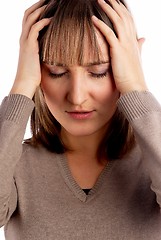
120 17
119 7
127 18
31 20
111 13
116 20
31 9
106 31
37 27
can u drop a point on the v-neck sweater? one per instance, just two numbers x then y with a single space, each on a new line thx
39 198
86 190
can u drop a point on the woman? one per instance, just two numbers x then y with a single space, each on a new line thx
92 167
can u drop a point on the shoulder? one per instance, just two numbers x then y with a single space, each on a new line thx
135 104
132 168
36 159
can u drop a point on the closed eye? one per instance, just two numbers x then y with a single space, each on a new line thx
93 74
58 75
100 75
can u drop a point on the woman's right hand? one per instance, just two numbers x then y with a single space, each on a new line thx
28 75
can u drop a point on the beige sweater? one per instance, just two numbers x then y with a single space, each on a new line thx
39 199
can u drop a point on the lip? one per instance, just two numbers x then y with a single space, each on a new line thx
80 115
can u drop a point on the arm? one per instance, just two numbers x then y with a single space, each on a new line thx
17 107
14 112
137 104
144 114
124 48
28 75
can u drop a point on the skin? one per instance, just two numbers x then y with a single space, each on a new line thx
70 93
88 88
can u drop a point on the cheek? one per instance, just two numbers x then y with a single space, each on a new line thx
52 88
48 89
53 100
52 94
106 91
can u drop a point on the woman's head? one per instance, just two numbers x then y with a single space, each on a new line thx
72 40
71 31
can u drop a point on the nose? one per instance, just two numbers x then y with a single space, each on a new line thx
78 92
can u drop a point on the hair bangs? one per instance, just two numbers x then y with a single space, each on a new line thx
70 41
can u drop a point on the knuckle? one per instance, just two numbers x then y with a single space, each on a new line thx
34 27
30 17
110 33
129 17
26 12
118 20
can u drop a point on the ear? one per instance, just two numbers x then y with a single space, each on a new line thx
140 43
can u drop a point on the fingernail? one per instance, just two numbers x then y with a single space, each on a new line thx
101 1
94 18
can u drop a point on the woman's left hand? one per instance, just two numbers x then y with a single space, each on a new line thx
125 48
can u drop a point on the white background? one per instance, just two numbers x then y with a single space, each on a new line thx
147 17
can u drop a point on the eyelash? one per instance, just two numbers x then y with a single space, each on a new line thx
99 75
94 75
53 75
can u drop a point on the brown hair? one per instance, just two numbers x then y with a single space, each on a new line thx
63 41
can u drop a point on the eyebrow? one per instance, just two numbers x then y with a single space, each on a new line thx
95 63
85 65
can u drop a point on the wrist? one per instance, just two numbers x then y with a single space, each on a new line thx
23 89
132 87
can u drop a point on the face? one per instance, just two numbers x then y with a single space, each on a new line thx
81 98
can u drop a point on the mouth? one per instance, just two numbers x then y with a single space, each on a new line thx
80 115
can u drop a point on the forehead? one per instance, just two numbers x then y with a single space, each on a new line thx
103 49
74 46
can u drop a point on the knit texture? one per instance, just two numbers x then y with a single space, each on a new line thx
40 200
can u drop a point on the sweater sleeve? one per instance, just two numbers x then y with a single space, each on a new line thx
144 114
14 114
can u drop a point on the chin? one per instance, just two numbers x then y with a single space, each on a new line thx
82 131
79 133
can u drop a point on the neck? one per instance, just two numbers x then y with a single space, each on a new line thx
85 146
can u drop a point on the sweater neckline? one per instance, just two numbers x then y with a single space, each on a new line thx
73 185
